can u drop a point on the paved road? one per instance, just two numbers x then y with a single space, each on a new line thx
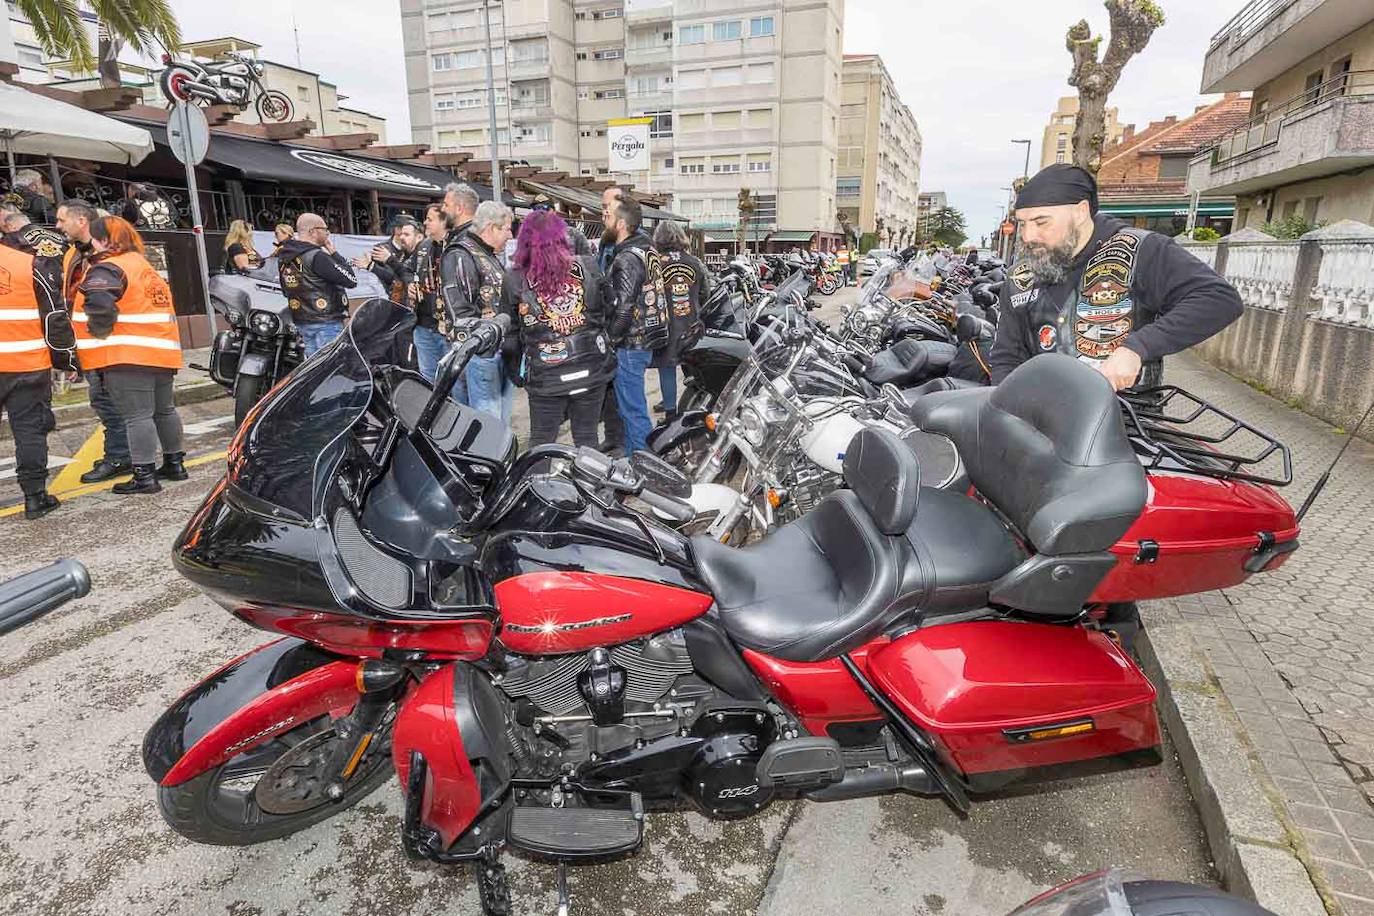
80 833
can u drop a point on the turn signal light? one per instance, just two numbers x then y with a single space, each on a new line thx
774 498
710 422
1046 732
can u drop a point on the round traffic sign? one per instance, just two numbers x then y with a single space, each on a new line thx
188 133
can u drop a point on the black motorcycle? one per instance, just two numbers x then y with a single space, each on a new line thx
261 345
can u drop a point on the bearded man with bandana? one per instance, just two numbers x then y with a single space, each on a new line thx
1086 284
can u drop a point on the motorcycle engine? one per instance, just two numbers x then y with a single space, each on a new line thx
723 779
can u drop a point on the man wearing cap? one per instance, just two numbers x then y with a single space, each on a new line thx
1086 284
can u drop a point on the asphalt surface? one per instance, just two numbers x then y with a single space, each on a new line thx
80 831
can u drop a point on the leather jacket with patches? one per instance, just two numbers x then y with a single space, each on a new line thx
427 283
1128 287
396 273
47 246
314 282
686 284
470 278
636 276
563 340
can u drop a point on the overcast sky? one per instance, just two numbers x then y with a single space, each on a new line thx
976 73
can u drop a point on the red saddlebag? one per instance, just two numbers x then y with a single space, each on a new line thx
1003 696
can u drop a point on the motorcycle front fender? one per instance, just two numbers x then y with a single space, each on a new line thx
252 699
671 433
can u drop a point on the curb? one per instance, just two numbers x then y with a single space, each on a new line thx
70 414
1255 848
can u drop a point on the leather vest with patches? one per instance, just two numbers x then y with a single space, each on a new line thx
564 341
487 293
1102 311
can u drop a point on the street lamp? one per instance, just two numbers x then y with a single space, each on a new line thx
497 191
1025 173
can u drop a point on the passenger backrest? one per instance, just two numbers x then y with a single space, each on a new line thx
886 477
1048 448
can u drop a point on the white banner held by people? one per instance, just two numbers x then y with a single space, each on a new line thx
628 144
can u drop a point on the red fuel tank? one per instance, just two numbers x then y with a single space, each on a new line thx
554 611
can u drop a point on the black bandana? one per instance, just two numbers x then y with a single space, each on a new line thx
1057 185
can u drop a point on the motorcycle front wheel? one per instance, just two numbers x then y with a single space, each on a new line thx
173 82
247 392
271 791
274 106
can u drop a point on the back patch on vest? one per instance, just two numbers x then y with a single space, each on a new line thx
1103 315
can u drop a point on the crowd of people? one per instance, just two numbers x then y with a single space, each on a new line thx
83 299
586 324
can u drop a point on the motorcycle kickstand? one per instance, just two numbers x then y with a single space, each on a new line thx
493 890
564 899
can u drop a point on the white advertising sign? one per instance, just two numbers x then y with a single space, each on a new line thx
628 144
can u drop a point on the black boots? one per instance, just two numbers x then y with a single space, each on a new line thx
145 481
39 504
105 469
173 466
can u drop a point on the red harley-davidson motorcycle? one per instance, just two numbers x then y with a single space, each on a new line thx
540 663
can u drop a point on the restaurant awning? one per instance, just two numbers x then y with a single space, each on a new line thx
271 160
1168 208
788 235
589 201
36 125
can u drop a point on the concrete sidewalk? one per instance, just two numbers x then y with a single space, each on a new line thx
1268 688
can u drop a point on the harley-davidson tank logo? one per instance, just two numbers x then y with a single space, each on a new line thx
554 627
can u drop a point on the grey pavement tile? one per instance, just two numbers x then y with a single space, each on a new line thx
1313 751
1333 846
1300 791
1314 817
1355 906
1345 799
1347 880
1330 774
1249 703
1282 766
1357 825
1366 850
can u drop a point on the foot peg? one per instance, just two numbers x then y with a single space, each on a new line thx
577 833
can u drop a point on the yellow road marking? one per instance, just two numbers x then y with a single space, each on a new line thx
69 478
87 488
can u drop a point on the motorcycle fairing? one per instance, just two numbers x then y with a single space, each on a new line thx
274 688
455 723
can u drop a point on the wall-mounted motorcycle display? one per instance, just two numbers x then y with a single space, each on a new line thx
235 79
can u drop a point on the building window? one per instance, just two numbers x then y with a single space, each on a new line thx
692 122
726 120
691 35
729 30
303 93
610 93
760 162
692 167
727 76
612 13
645 85
760 26
444 104
848 187
759 117
691 79
668 163
608 54
1059 156
662 125
725 167
761 73
585 133
466 60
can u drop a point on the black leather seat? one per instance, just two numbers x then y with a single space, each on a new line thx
960 549
910 361
825 584
1048 448
947 383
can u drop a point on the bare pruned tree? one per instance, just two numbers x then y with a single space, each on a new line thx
1132 24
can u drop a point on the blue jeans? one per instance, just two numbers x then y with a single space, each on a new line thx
484 387
629 396
430 347
318 334
667 384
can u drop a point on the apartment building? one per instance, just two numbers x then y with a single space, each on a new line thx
1307 148
880 150
741 96
1057 142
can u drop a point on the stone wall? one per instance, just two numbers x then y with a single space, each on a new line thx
1307 335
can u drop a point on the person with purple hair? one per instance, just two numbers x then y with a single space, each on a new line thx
558 306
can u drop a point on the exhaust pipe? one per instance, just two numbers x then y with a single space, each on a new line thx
885 779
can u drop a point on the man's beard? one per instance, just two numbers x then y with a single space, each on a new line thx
608 236
1051 265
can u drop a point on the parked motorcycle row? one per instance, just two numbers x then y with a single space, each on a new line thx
848 568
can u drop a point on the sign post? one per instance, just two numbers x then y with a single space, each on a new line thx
627 142
188 135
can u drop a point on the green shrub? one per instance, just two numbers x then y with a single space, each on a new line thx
1205 234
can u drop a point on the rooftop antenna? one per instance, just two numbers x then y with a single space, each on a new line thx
297 33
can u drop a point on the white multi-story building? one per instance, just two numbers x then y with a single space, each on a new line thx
880 151
741 96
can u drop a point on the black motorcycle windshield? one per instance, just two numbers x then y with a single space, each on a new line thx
287 450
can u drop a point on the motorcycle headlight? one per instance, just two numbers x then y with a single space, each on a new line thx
752 425
264 323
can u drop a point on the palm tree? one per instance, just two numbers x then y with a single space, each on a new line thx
147 26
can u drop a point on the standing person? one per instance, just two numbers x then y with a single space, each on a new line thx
392 261
240 257
842 258
47 246
35 338
640 325
472 280
687 284
281 234
1088 285
558 308
430 345
27 194
126 332
314 278
614 440
75 219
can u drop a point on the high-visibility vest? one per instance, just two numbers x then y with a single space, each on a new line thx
22 347
145 331
842 256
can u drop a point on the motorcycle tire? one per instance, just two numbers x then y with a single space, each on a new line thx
274 107
204 811
171 81
248 391
827 285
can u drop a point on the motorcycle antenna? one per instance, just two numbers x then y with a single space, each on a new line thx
1326 475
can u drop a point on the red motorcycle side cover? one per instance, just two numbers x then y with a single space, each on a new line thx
983 690
1205 530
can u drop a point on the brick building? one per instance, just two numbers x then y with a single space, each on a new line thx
1144 176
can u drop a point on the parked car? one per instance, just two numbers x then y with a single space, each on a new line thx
870 261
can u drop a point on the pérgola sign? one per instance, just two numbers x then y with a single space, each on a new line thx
628 144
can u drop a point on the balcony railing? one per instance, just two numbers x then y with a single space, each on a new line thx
1249 20
1264 129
